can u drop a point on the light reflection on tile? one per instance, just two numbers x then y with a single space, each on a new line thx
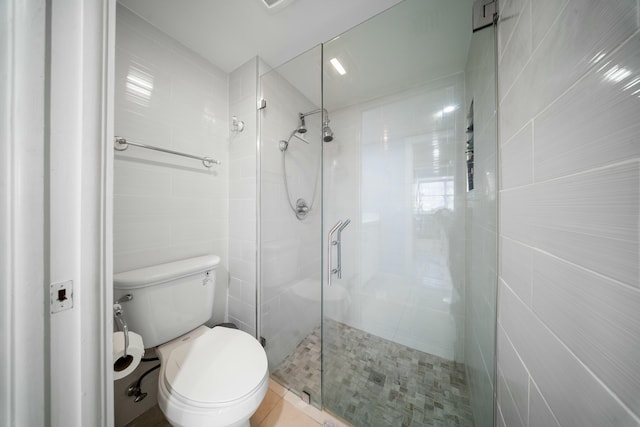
575 133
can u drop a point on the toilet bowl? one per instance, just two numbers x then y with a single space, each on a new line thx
212 377
208 377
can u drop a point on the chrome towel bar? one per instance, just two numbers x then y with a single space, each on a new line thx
121 144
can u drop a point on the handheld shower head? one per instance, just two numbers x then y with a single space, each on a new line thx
302 128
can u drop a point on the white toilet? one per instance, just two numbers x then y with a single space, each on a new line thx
208 377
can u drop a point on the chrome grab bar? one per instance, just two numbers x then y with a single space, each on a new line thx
339 226
339 244
330 244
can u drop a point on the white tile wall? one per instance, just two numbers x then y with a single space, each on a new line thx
591 219
510 12
517 159
517 40
570 213
574 394
516 267
540 414
402 285
167 207
594 316
509 408
514 376
581 32
595 122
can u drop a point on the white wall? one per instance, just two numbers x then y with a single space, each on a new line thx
167 207
481 228
403 268
55 191
22 252
569 324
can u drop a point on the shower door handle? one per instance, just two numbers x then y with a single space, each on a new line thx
330 244
339 244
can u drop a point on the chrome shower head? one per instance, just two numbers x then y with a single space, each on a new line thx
303 127
327 133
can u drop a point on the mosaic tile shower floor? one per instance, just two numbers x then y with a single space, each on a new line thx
301 370
370 381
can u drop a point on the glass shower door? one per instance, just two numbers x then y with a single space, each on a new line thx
290 223
393 321
395 310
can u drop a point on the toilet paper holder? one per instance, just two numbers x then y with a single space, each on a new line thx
117 314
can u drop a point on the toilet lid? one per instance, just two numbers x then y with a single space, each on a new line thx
221 365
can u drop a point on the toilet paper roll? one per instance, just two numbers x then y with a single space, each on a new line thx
123 366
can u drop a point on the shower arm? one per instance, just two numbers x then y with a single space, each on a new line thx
324 110
325 119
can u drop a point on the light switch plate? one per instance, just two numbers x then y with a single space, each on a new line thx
61 296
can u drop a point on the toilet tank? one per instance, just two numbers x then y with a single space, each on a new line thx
169 299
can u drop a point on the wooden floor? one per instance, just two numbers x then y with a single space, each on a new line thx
280 408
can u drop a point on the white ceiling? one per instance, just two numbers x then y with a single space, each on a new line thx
230 32
414 42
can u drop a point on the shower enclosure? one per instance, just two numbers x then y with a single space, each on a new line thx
377 229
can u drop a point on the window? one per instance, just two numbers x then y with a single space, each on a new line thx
434 194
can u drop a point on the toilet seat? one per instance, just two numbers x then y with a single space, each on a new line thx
218 367
212 378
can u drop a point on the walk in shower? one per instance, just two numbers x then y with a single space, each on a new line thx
377 223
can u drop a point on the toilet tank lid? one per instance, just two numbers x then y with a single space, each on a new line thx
160 273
